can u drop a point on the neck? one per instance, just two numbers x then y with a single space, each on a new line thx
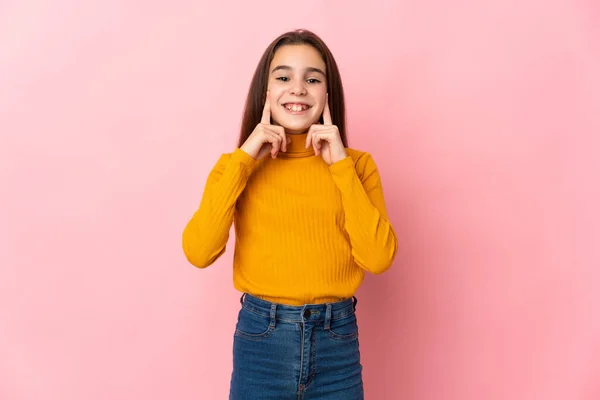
297 146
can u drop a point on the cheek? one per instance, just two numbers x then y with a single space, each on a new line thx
275 94
321 100
319 111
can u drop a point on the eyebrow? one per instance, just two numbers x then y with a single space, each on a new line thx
308 69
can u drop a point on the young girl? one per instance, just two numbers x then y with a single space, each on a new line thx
310 220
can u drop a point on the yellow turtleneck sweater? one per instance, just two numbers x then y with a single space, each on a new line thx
306 232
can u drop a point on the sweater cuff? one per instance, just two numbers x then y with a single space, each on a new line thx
342 167
244 158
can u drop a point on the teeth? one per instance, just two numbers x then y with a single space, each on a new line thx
296 107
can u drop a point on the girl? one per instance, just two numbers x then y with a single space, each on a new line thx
310 220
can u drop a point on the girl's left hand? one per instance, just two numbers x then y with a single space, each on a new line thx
325 139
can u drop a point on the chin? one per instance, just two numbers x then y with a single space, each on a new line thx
296 127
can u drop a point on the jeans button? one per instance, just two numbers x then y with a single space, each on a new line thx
306 314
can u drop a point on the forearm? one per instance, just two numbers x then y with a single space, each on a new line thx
372 237
205 235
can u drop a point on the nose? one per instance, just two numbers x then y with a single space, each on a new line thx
298 88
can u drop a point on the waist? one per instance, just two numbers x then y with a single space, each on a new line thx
299 313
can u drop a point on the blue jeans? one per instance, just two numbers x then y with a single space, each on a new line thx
308 352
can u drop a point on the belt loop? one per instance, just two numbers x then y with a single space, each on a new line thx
273 314
355 302
242 298
328 317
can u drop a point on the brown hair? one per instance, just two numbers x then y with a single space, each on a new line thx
258 87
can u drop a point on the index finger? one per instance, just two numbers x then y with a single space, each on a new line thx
266 114
326 113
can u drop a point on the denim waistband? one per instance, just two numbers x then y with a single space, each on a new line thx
304 313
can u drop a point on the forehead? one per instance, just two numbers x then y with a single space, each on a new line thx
298 56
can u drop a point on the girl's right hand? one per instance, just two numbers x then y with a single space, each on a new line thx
266 138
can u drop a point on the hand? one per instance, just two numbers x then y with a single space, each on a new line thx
325 139
266 138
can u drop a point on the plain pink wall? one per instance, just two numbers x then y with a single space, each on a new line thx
483 118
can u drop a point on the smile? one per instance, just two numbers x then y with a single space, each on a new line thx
296 107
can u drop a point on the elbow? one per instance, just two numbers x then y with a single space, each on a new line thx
200 259
378 266
197 260
199 256
374 266
379 261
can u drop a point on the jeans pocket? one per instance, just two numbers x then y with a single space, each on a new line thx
251 325
344 329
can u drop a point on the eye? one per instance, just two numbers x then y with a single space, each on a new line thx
283 78
313 80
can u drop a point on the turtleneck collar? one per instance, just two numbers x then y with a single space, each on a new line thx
296 148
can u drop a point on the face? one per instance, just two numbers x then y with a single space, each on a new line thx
297 87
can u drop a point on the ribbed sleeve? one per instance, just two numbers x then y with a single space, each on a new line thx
206 234
373 240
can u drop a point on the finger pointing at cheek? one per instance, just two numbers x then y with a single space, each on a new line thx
266 114
326 113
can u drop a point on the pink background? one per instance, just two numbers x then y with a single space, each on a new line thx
483 117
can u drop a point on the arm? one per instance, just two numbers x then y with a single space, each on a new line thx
372 237
205 235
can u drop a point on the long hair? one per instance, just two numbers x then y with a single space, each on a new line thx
255 101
